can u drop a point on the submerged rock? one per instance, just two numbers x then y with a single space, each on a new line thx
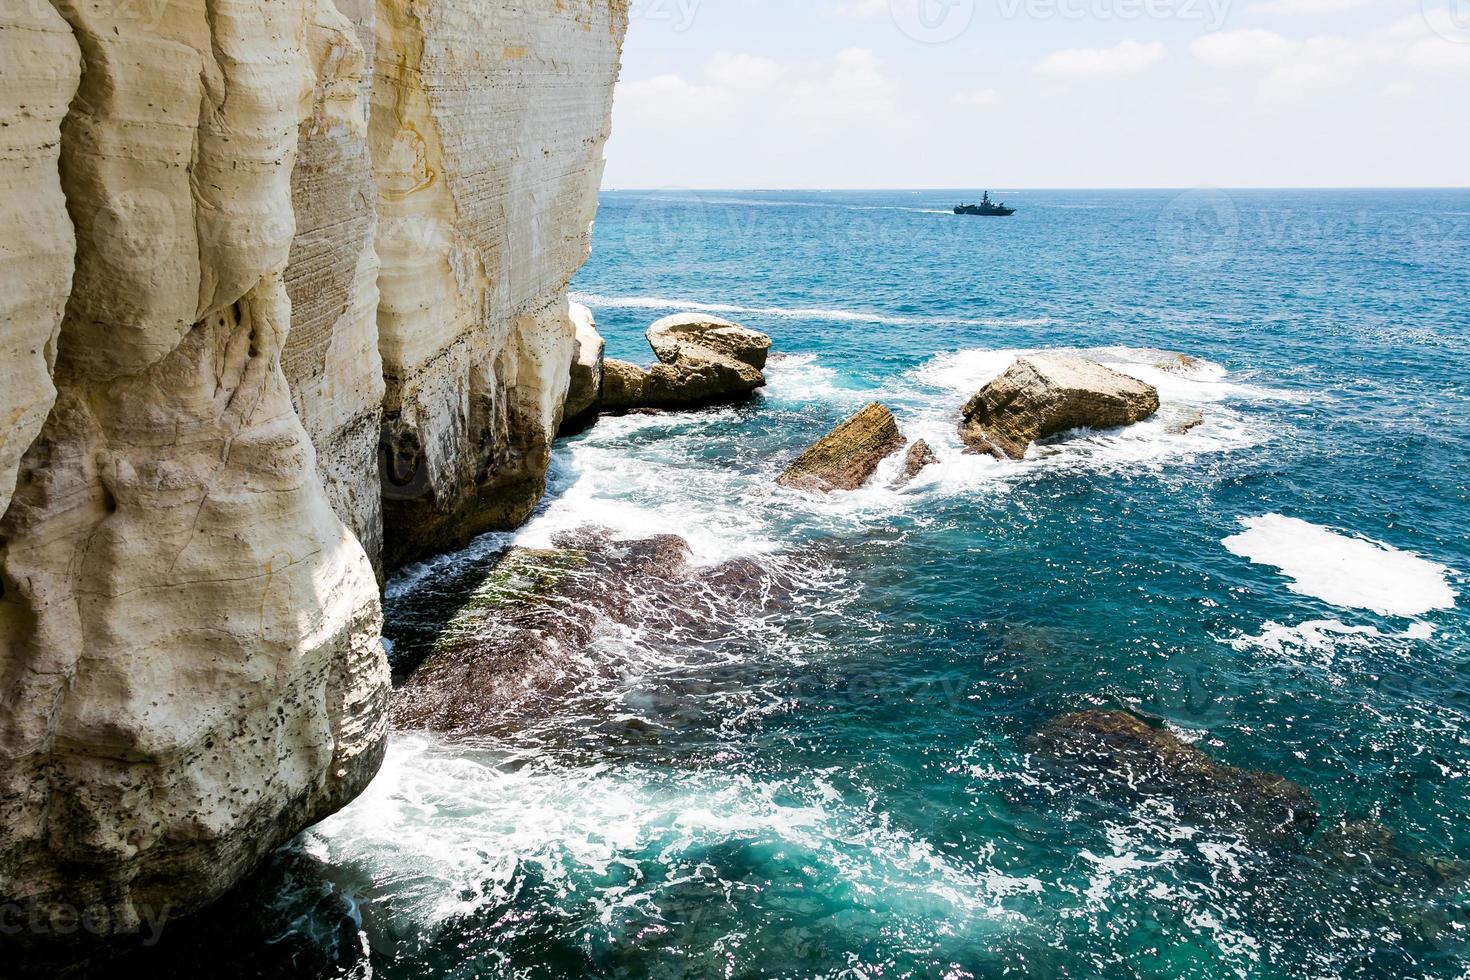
703 360
846 457
1113 753
1042 395
585 386
1187 424
519 643
919 456
1176 363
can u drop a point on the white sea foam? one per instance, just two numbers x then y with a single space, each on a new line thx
1350 572
1197 416
798 313
447 831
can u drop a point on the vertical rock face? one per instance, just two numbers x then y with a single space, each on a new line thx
487 127
331 355
250 214
39 68
188 636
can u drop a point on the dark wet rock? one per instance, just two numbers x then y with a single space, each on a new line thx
846 457
519 642
1115 754
1370 849
703 360
1045 394
1387 888
919 456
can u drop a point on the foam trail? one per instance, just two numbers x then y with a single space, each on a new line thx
852 316
1350 572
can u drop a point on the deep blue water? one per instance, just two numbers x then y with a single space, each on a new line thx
843 789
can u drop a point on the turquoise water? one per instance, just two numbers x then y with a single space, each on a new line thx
841 788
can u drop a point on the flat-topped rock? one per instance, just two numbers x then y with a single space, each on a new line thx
846 457
1113 753
686 337
1044 394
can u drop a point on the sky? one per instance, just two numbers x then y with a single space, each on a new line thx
838 94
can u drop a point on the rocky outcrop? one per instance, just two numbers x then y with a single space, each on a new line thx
189 636
690 338
919 457
585 383
1042 395
846 457
703 360
507 649
268 236
1114 754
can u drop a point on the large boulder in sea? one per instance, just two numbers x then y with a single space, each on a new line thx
1044 394
703 360
845 458
1114 754
694 337
586 373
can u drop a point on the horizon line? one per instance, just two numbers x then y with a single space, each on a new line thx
1023 189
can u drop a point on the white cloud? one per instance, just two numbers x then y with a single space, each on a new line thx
1127 58
1438 55
674 99
743 72
854 84
1242 49
980 99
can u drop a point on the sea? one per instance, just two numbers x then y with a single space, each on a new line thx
840 783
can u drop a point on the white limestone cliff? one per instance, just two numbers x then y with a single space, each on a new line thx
484 216
266 240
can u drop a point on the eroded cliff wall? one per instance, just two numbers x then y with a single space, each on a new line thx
488 122
256 256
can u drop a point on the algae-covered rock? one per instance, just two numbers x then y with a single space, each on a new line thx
846 457
1115 754
519 643
1042 395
